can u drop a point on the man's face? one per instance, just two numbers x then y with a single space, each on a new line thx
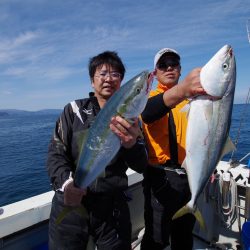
106 81
168 70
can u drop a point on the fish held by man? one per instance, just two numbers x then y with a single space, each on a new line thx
101 144
209 120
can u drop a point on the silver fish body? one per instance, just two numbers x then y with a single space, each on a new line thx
101 144
209 120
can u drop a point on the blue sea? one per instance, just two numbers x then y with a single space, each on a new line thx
24 139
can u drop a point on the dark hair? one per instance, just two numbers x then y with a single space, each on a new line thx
107 57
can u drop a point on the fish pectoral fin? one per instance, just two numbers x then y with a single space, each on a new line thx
228 147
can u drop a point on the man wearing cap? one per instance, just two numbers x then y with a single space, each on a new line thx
165 183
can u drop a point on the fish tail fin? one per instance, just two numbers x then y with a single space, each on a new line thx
182 211
196 212
200 219
80 210
63 214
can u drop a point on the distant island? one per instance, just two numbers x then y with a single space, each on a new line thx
6 112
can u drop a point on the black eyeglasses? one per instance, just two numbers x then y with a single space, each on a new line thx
168 63
105 74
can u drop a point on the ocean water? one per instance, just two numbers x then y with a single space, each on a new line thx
24 140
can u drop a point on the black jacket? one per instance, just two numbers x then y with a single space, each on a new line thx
63 152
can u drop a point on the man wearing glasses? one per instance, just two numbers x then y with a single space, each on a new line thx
165 183
107 217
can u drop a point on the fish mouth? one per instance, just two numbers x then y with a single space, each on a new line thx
230 51
214 98
149 81
223 63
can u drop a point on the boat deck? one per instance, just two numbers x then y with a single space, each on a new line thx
24 224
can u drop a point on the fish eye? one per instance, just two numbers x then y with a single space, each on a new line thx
225 66
138 90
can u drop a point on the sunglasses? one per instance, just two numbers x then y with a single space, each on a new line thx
168 63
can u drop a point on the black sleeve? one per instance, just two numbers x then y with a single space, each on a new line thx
137 156
59 160
155 109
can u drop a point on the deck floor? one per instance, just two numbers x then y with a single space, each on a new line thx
199 244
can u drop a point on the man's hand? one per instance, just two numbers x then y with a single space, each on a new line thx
73 195
126 131
191 85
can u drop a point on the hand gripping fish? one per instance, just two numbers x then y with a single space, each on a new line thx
101 144
209 120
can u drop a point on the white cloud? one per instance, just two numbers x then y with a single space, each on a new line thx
13 50
46 41
24 38
17 41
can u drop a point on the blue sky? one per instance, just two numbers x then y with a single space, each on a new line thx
45 45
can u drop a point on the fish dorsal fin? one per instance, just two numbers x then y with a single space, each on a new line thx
228 147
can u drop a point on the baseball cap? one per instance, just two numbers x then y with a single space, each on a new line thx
162 52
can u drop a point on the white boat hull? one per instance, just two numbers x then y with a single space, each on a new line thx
24 224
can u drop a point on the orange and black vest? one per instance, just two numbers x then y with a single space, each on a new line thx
157 132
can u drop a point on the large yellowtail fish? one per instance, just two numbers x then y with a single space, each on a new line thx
209 120
101 144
